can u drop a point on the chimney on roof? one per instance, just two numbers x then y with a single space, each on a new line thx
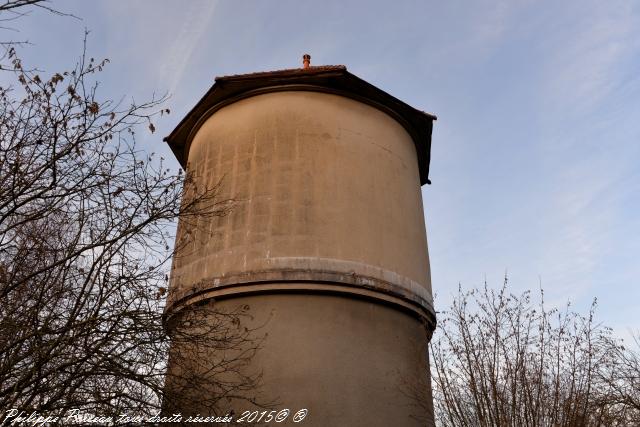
306 60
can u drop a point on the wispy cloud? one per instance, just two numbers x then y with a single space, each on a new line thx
196 20
587 55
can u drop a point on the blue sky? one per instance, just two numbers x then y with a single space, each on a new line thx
536 151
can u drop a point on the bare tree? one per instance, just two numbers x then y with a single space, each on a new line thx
86 229
623 378
501 360
11 10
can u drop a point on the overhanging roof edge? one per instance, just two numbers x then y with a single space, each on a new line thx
333 79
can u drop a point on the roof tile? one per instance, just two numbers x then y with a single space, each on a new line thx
285 72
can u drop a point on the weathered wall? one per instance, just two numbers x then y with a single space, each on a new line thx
350 362
323 183
326 244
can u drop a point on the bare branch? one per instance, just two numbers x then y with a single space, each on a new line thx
500 359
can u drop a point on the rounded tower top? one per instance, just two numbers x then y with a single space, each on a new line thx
333 79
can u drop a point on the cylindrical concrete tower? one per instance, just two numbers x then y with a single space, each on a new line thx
325 244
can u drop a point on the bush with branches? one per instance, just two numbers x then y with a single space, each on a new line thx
500 359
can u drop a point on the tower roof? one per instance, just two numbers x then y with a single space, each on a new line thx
334 79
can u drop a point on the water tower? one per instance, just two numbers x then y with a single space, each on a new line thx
325 245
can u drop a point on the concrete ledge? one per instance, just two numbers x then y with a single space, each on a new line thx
308 281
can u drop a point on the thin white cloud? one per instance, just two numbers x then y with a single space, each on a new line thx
586 56
585 158
196 22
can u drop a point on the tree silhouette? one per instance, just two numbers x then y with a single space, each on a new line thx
86 232
501 360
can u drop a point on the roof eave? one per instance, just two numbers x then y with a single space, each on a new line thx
334 79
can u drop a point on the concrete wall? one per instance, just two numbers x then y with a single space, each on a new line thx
322 183
348 361
326 241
